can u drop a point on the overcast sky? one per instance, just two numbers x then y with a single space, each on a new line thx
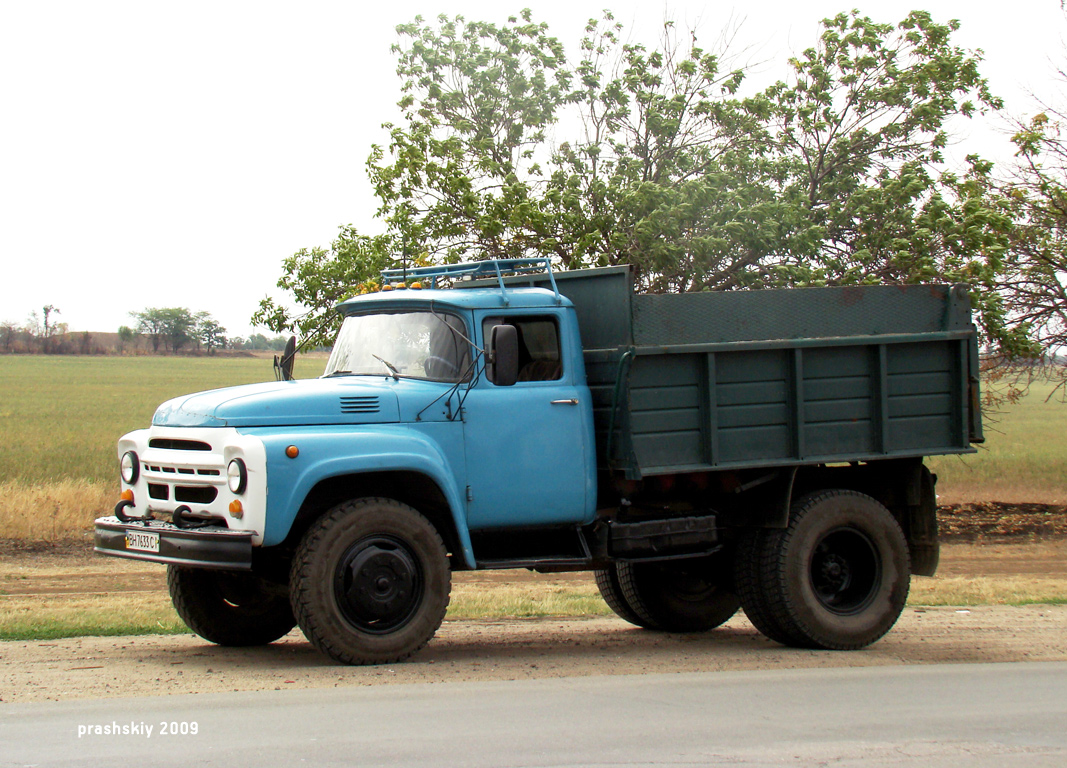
159 154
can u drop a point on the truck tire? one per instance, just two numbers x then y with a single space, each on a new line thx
688 595
750 589
370 582
837 577
607 581
230 608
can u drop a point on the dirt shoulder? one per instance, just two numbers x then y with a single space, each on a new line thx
96 667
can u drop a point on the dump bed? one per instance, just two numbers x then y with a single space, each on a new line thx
704 381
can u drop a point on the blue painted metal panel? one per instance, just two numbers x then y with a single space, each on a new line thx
285 403
433 449
530 460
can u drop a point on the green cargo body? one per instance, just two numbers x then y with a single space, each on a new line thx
744 379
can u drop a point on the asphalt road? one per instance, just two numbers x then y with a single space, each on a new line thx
998 715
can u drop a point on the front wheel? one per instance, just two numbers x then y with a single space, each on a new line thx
836 578
370 582
230 608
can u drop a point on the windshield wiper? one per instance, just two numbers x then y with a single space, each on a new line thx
387 364
337 373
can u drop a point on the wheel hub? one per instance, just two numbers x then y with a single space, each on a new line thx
377 584
845 571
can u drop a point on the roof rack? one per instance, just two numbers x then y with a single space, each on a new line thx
470 270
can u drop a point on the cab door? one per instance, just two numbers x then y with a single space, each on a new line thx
529 446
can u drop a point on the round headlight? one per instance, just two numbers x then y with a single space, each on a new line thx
237 476
129 467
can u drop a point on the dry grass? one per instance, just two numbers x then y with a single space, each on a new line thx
988 590
131 613
53 511
524 600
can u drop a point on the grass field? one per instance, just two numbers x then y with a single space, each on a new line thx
60 418
1024 457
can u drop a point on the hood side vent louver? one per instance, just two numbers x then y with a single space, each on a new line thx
366 404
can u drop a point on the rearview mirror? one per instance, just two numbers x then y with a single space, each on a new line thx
283 369
504 355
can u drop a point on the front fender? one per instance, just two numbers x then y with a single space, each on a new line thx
433 449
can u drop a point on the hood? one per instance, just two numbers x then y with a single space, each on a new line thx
283 403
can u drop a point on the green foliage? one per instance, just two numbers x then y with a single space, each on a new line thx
175 327
258 341
208 331
648 156
1035 274
321 278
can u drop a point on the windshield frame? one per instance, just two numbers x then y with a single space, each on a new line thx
447 328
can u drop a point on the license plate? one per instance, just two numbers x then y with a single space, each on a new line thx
143 541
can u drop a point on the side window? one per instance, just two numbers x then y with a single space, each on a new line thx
539 351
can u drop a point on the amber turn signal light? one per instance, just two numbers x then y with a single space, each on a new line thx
236 510
126 495
292 451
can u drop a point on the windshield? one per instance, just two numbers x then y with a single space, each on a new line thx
419 345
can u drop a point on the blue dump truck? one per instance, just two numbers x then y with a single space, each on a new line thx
698 453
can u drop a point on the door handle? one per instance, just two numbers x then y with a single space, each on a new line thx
572 401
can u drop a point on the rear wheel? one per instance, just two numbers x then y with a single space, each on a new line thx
836 578
690 595
750 591
230 608
370 582
607 581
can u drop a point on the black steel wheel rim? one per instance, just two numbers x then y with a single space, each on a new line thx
845 570
378 584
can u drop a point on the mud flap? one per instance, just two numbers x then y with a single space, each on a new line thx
922 527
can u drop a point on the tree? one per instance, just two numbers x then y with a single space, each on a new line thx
1034 280
208 332
150 322
8 333
47 313
170 326
859 131
319 279
649 157
178 325
126 335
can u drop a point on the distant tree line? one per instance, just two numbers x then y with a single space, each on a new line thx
163 330
176 328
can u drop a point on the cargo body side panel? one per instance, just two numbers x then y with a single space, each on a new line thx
778 378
